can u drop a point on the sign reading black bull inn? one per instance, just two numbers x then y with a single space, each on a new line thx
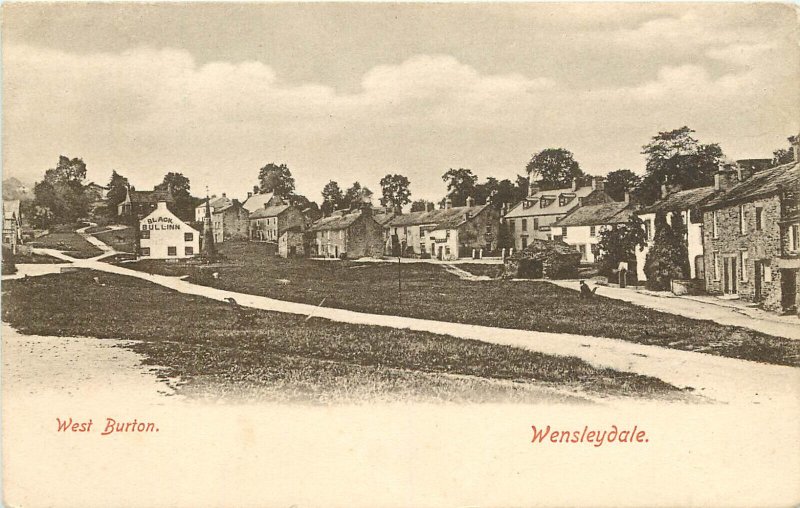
160 224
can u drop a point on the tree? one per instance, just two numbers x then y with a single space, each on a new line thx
668 258
179 186
676 158
460 185
395 192
332 198
356 195
60 196
117 189
621 181
554 168
783 155
277 179
420 205
618 245
501 192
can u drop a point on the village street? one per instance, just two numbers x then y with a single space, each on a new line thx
718 378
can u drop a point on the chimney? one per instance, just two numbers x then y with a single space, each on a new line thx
162 205
255 189
663 190
467 216
724 178
470 201
223 195
448 204
249 194
598 183
627 198
743 172
575 184
533 188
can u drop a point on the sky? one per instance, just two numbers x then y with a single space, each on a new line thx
352 92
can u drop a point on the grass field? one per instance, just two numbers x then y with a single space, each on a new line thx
71 243
430 292
217 350
35 259
122 240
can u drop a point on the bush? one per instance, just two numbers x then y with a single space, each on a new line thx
668 258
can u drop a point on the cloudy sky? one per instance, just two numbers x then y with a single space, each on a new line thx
352 92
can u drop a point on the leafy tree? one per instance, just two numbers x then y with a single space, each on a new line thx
179 186
395 192
621 181
504 238
356 195
554 168
501 192
668 258
783 155
277 179
420 205
332 198
618 244
61 196
117 189
676 158
460 185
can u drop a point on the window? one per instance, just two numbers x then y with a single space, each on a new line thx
188 237
563 232
536 223
511 225
742 223
648 229
794 237
759 218
714 225
524 241
144 251
524 225
743 256
172 251
145 235
189 251
716 265
592 230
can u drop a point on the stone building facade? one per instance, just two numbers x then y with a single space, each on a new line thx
229 222
748 243
348 234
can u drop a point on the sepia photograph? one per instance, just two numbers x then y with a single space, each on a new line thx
400 254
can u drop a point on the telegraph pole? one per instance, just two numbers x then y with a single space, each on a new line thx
399 282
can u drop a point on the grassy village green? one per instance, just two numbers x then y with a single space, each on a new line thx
69 242
121 240
216 350
430 292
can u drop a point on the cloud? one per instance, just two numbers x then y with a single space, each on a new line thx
146 111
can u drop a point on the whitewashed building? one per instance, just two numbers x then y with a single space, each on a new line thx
162 235
582 227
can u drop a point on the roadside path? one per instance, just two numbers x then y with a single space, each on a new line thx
463 274
718 378
752 319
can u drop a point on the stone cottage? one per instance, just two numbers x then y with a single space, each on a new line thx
267 224
348 233
750 235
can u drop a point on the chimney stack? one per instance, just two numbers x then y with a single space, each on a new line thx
249 194
533 188
223 195
724 178
255 189
627 198
470 201
448 203
742 172
575 184
598 183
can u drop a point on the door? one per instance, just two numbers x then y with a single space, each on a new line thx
757 267
699 267
788 288
729 276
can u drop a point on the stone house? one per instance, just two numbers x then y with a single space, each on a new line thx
141 203
446 234
348 233
688 203
267 224
229 222
543 259
256 201
162 235
292 243
532 217
581 228
750 236
12 224
214 203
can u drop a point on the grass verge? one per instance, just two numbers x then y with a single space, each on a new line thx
71 243
429 292
218 350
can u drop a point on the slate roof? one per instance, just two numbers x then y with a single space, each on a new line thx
615 212
336 222
681 200
553 208
151 197
762 184
448 217
270 211
257 201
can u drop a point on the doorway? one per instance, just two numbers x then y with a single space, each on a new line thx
729 279
757 280
699 267
788 288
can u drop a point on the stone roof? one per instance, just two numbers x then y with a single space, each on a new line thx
442 218
216 203
681 200
762 184
151 197
270 211
337 221
616 212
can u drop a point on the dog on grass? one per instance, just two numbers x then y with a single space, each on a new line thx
586 292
